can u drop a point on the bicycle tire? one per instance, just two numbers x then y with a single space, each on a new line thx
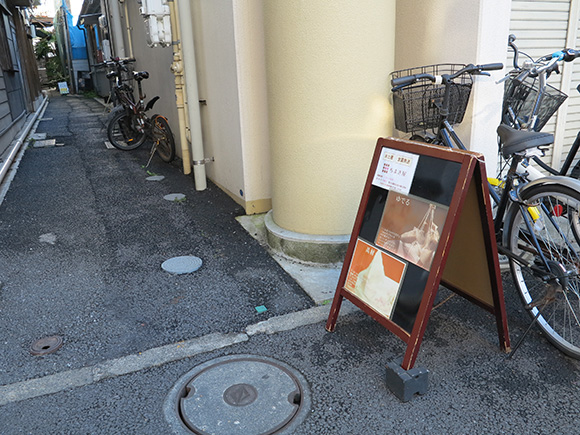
122 135
555 302
162 133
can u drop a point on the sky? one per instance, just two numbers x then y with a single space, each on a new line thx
47 7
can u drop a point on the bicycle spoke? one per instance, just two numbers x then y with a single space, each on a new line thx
551 288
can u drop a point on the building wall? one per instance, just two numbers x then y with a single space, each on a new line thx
215 48
458 31
229 44
19 82
157 61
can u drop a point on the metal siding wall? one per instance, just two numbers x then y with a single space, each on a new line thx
541 27
572 125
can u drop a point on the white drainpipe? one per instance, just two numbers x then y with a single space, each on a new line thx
188 50
117 29
129 29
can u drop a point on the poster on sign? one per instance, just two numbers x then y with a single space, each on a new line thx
395 170
375 277
411 228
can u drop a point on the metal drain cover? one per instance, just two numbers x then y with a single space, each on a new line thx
46 345
241 394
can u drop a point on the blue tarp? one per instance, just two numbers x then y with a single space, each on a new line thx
77 37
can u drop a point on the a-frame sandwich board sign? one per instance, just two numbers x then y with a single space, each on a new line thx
424 220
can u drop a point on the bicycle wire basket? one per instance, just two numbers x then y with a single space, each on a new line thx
417 107
521 97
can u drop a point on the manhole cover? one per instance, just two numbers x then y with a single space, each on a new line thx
46 345
241 394
181 265
175 197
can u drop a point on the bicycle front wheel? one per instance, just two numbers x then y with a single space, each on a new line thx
164 137
121 133
549 284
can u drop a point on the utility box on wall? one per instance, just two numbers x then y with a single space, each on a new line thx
157 22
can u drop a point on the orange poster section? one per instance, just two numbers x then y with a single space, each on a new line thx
375 277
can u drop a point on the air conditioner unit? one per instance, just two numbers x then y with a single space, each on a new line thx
156 14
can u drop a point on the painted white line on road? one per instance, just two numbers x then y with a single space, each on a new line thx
116 367
290 321
160 355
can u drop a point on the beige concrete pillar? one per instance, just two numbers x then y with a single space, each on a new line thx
328 66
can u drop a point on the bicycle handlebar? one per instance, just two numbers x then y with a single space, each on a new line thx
401 82
547 63
115 61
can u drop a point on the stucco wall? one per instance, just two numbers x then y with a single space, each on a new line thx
229 44
157 62
458 31
328 66
213 24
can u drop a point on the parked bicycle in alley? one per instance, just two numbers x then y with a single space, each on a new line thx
129 126
534 221
530 102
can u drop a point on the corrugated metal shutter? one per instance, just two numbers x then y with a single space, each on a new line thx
542 27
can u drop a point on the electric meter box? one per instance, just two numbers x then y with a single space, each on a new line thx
157 22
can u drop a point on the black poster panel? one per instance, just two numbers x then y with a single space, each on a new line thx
410 297
435 179
373 214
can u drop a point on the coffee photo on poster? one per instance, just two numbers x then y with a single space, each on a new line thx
411 228
375 277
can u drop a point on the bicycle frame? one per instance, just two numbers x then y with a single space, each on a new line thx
541 68
448 137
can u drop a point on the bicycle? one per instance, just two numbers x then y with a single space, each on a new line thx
529 101
120 75
130 126
531 225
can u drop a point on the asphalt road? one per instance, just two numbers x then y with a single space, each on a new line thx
83 235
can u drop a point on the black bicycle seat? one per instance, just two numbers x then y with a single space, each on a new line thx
140 75
514 141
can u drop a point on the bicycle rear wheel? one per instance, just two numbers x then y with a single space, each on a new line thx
549 286
121 133
162 133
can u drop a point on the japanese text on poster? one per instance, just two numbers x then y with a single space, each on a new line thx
395 170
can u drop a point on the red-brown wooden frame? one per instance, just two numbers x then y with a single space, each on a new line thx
472 170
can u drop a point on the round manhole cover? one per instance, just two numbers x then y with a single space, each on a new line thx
182 265
241 394
46 345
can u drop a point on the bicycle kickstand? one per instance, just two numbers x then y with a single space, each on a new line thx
521 340
153 149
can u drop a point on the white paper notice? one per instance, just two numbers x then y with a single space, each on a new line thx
395 170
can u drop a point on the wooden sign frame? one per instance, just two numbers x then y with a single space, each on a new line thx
451 185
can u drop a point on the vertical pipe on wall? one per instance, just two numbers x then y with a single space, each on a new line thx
128 28
117 29
190 72
177 69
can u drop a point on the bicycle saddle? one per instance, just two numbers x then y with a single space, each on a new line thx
514 141
140 75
